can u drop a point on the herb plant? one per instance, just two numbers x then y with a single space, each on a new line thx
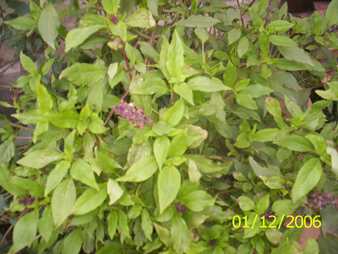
151 124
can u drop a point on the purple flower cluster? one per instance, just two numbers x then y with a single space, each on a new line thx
132 114
318 200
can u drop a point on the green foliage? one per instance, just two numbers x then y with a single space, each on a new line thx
151 124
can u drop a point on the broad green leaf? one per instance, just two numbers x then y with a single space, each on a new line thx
56 176
295 143
83 172
279 26
46 224
198 21
64 119
161 149
307 178
281 40
49 24
146 224
153 6
140 171
39 158
25 230
195 135
274 236
141 18
283 206
178 145
263 204
266 135
63 201
234 35
205 84
296 54
244 99
114 191
22 23
77 36
180 235
175 59
197 200
111 6
273 107
245 203
202 34
73 242
243 46
168 185
208 166
185 92
27 63
112 220
331 13
174 114
89 201
84 74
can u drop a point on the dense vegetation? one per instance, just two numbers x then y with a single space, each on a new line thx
147 126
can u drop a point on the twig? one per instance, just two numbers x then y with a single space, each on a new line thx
6 233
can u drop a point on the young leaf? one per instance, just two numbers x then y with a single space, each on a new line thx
279 26
175 59
281 40
49 24
141 18
27 63
83 172
146 224
198 21
78 35
140 170
296 143
161 149
168 185
114 191
174 114
185 92
205 84
307 178
63 200
56 176
25 231
331 13
111 6
112 220
89 201
46 224
39 158
243 46
245 203
24 23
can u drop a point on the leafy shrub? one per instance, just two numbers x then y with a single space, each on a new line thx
154 123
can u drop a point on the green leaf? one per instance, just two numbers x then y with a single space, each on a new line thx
45 102
146 224
279 26
111 6
49 24
197 200
140 171
77 36
245 203
161 149
185 92
7 151
141 18
266 135
295 143
281 40
84 74
243 46
25 230
307 178
263 204
56 176
174 114
27 63
23 23
178 145
175 59
331 13
180 235
63 200
46 224
334 159
244 99
207 166
234 35
89 201
114 191
83 172
153 6
168 185
202 34
39 158
112 220
72 243
205 84
198 21
282 207
296 54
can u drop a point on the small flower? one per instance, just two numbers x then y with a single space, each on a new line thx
132 114
319 200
